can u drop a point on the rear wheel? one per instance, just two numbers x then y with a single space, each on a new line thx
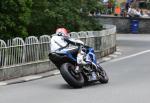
75 80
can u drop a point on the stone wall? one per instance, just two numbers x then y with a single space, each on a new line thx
123 23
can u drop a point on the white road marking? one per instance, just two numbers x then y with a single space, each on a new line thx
130 56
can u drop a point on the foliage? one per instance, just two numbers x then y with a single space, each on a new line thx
71 14
39 21
14 18
38 17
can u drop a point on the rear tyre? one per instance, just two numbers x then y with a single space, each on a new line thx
75 80
103 76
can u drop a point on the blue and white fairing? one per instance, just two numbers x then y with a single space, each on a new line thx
90 57
67 53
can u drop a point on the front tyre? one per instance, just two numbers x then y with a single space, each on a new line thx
75 80
103 76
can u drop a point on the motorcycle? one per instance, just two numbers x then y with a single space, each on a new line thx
75 74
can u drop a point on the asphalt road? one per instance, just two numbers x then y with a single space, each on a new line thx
129 80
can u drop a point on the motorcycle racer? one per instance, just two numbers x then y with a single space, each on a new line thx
61 41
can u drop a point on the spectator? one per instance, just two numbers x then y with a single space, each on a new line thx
145 14
141 12
127 6
138 12
148 13
117 11
134 12
97 12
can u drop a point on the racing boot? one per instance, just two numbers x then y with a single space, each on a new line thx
93 76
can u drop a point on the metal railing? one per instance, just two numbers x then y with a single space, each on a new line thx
18 51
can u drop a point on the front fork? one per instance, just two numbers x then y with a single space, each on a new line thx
77 69
93 68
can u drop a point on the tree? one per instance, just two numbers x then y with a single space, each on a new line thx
39 22
65 13
14 18
37 17
48 15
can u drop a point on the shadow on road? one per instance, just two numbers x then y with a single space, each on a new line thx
90 85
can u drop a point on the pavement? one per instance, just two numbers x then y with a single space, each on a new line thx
53 72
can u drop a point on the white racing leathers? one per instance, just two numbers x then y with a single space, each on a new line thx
61 43
57 42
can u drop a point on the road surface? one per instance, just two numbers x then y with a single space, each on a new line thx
129 82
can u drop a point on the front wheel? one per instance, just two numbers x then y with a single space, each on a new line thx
75 80
103 76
